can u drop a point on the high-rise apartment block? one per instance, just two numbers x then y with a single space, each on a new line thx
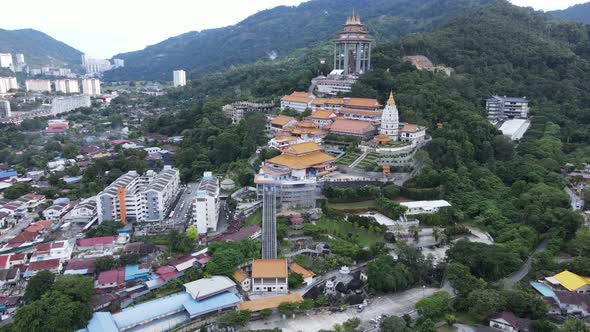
5 60
135 197
7 84
91 86
118 63
179 78
67 86
20 59
500 108
5 111
38 85
95 65
206 204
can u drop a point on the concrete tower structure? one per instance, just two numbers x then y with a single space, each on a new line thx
390 120
269 221
352 49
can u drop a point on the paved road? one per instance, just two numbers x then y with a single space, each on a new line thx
394 304
577 203
524 269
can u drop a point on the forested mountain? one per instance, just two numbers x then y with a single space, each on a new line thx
39 48
512 190
578 13
279 31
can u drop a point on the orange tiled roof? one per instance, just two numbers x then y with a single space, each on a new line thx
351 126
239 275
408 127
306 124
302 148
268 302
282 120
269 268
298 97
322 114
305 273
361 112
302 162
349 102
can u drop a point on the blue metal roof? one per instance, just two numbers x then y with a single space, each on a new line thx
102 322
151 310
214 303
134 272
8 174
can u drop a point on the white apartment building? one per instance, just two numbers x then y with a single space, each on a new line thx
206 204
179 77
117 63
69 103
8 83
83 212
5 60
424 207
38 85
91 86
95 65
20 58
507 108
5 110
160 193
140 198
67 86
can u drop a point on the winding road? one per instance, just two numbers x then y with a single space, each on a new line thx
525 268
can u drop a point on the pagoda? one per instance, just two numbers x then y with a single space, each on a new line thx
352 48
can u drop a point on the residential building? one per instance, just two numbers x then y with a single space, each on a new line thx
236 111
571 282
57 210
38 85
5 60
80 266
7 84
67 86
20 59
5 109
9 277
52 265
306 274
298 101
118 63
507 321
69 103
51 250
243 279
96 243
83 212
179 78
270 276
499 108
91 86
206 204
160 193
134 197
424 207
57 126
95 65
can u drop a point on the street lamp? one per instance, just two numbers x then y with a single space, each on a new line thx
423 290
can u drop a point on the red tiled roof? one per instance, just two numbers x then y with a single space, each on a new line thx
112 276
44 265
4 259
351 126
81 264
96 241
181 260
23 237
39 226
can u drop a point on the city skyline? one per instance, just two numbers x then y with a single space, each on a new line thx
139 31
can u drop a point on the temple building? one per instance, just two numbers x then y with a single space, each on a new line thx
390 120
352 57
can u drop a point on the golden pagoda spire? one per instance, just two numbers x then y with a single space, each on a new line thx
391 101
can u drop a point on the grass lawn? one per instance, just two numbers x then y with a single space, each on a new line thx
466 318
362 237
255 218
353 206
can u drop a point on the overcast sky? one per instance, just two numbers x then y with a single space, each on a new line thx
107 27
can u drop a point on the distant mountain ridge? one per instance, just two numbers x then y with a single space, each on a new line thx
579 13
39 48
281 30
